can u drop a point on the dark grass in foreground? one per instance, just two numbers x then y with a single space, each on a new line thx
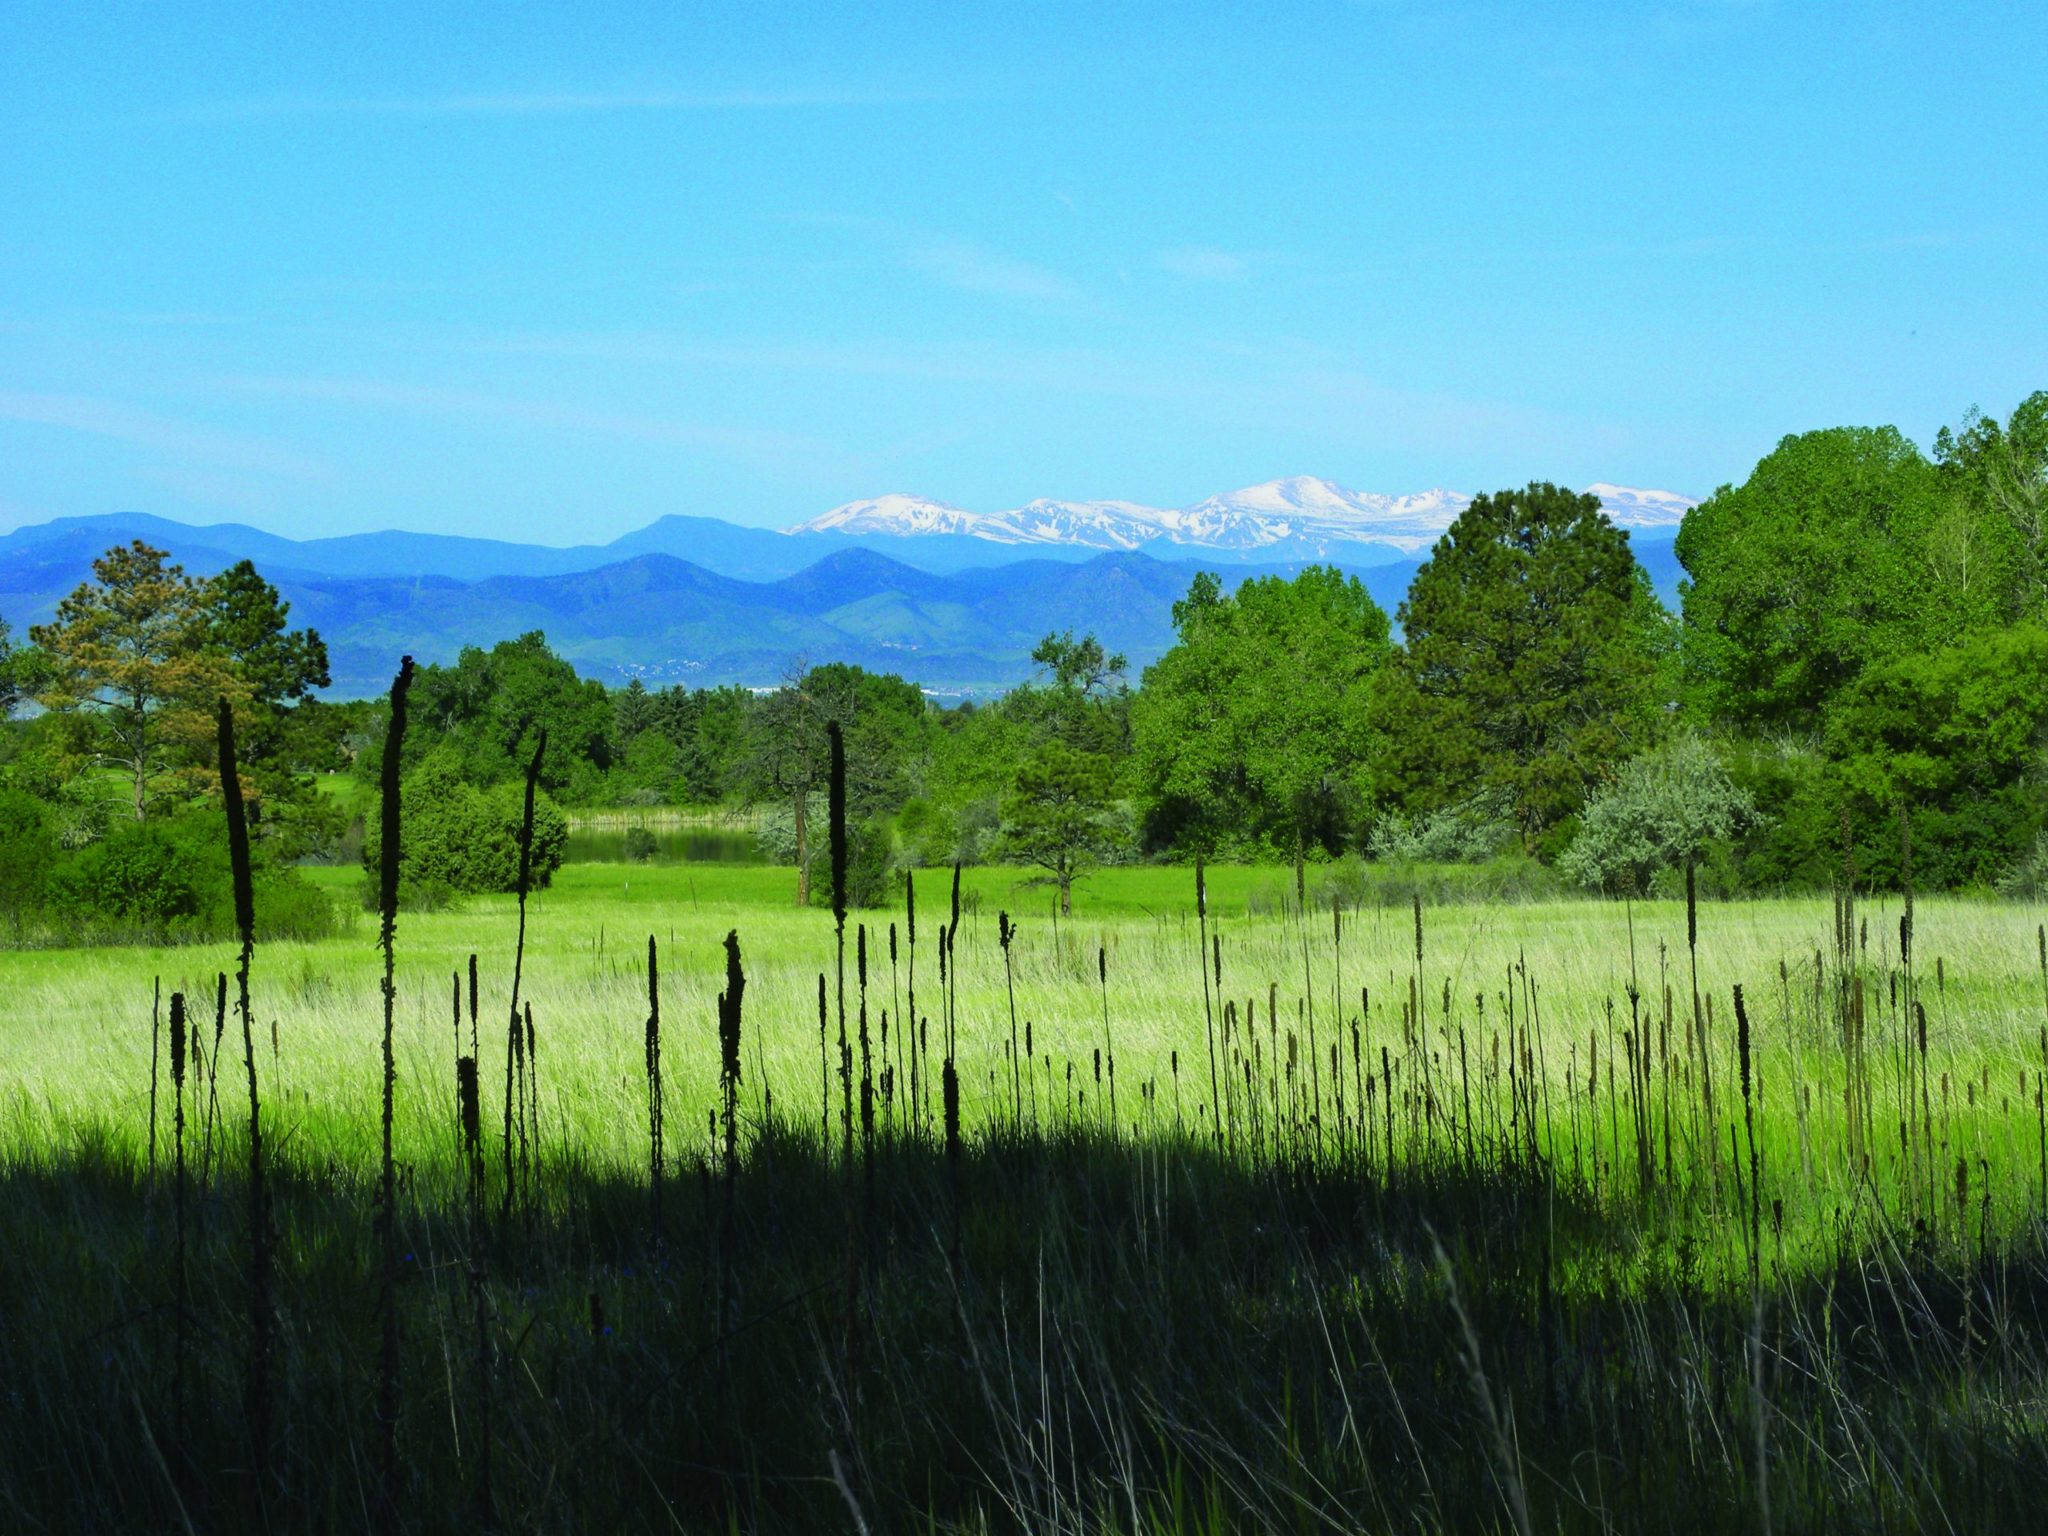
1147 1336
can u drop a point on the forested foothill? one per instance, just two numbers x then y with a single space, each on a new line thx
1854 685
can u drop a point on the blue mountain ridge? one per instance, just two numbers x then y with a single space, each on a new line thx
744 606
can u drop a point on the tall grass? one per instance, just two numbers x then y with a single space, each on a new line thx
387 1185
1452 1240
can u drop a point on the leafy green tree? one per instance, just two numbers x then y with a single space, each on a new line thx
647 770
1661 812
131 648
709 729
1080 666
882 718
633 710
1060 815
277 669
2001 469
1842 548
970 765
489 708
1529 661
244 619
1256 718
1955 738
168 879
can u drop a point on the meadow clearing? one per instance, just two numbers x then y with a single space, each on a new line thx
1466 1247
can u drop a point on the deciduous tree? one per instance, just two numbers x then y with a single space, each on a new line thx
1256 718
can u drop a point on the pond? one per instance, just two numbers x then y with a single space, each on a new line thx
672 845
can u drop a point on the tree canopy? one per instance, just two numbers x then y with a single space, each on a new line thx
1843 547
1254 721
1529 660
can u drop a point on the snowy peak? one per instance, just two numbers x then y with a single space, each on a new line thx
1095 524
895 513
1631 508
1305 515
1303 507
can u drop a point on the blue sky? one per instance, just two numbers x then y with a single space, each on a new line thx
549 272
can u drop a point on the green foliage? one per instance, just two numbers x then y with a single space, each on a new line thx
1529 660
2027 878
2002 470
1470 832
869 852
1255 721
1060 815
167 880
1955 736
243 619
456 838
1842 549
10 671
488 709
869 856
1661 812
1399 882
641 845
28 849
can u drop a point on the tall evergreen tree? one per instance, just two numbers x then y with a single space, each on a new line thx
1529 660
131 647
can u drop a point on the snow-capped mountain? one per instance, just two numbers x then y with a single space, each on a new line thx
1630 508
1300 513
896 514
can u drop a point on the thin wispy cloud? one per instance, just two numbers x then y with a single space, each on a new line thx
1069 369
555 103
138 428
976 269
504 410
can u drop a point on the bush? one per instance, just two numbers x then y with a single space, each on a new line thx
168 881
939 834
1470 832
1660 813
641 845
776 833
2027 879
868 865
28 847
456 838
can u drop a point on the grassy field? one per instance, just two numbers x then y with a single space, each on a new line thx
1506 1237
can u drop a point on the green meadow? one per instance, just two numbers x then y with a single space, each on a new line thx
1291 1232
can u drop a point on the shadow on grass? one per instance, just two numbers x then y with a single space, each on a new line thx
1060 1334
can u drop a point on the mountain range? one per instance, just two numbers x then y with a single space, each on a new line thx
950 598
1299 517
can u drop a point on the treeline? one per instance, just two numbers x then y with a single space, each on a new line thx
1854 686
110 820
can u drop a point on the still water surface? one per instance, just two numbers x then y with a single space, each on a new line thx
672 845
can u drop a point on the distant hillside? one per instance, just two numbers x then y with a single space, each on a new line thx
668 619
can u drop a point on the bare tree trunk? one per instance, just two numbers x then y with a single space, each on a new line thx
138 763
803 853
1300 872
1066 892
